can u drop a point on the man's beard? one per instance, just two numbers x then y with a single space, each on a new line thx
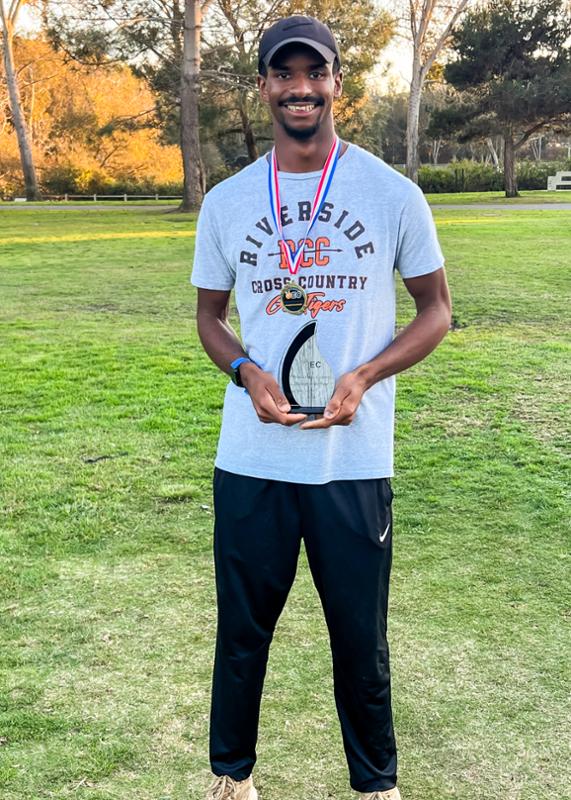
301 134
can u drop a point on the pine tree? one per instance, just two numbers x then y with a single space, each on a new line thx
513 75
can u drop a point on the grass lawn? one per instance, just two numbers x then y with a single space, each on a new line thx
535 196
109 417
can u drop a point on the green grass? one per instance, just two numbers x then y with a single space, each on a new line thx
109 420
535 196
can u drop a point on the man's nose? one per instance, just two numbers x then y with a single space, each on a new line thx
301 85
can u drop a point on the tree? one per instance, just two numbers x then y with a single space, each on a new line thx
93 130
162 41
430 23
436 96
9 17
391 125
513 70
194 184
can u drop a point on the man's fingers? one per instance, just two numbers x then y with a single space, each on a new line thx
321 422
336 413
315 423
274 408
324 422
282 419
329 417
293 419
279 399
334 406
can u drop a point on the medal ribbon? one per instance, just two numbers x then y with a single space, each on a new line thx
294 259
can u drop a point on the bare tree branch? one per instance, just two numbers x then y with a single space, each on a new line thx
13 12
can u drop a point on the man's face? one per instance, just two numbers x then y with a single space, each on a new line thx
300 88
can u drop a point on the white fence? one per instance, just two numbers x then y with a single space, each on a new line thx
95 198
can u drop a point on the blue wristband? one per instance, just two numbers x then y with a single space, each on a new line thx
235 365
237 361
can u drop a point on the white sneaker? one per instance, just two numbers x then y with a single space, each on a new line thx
226 788
387 794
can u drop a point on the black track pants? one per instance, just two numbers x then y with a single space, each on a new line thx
347 530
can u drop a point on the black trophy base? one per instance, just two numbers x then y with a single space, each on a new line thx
306 409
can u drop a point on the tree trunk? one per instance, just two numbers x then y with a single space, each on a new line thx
536 147
435 150
412 123
249 136
493 153
19 122
193 190
510 179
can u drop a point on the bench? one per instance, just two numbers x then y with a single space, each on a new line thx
559 182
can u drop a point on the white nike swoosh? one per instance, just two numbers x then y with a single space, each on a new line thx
383 536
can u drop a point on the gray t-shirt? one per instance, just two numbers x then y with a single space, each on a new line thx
374 221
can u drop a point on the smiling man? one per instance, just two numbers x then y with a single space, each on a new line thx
310 238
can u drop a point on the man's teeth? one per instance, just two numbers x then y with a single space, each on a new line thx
300 108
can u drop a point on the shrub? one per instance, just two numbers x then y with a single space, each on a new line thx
437 180
59 178
460 176
65 178
471 176
534 174
92 181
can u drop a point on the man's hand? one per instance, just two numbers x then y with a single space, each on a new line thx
268 399
342 407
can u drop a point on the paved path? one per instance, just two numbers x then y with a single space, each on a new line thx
165 207
85 207
508 206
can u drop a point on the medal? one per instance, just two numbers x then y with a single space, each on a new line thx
294 298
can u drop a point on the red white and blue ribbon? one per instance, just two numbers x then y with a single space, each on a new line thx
294 259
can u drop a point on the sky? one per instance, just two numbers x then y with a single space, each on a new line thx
397 57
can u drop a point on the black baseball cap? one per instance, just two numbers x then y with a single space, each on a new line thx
299 29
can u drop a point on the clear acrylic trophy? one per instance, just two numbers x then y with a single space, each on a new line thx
307 379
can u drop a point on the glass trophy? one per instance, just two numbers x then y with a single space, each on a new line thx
307 379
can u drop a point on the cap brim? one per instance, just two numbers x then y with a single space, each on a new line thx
324 51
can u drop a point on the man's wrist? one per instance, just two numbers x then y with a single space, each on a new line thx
247 369
368 374
236 366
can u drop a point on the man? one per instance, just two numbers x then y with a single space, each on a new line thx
310 234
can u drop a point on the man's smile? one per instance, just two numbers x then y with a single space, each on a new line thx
301 110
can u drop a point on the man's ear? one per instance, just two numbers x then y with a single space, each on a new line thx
263 88
338 88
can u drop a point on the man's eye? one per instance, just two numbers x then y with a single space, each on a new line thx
316 75
283 75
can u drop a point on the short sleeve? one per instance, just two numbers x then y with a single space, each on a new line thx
211 268
418 249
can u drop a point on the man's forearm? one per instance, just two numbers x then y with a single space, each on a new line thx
412 344
219 340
